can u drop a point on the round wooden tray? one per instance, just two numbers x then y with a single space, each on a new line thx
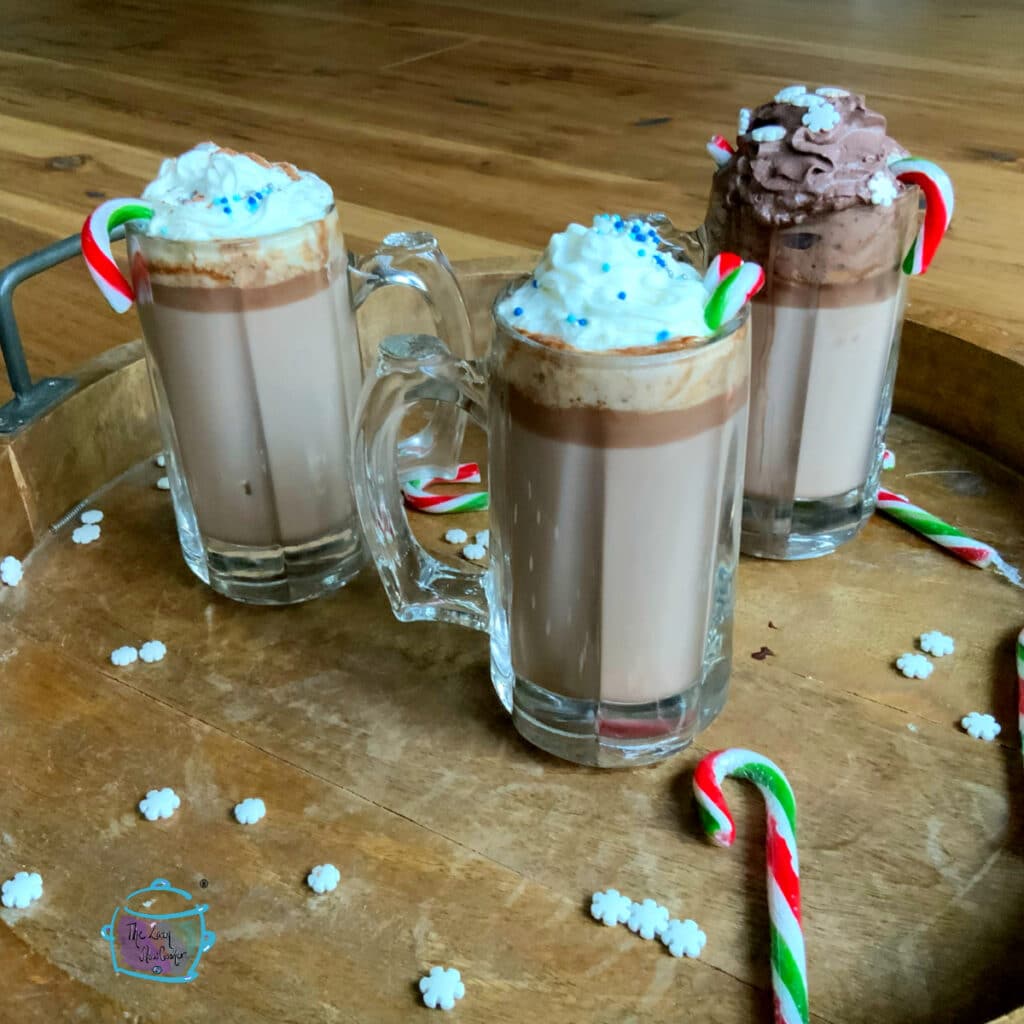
381 748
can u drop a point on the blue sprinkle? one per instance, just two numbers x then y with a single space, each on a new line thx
226 208
582 322
606 267
622 295
258 195
534 283
663 335
518 311
223 199
570 319
252 202
641 252
659 260
618 224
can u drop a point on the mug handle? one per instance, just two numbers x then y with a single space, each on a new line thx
416 260
412 368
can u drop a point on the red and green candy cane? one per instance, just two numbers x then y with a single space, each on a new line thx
737 283
938 210
416 495
96 248
788 955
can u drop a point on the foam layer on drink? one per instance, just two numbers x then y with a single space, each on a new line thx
212 192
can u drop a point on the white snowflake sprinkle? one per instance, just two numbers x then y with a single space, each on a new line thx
153 650
743 121
163 484
769 133
442 987
790 93
24 888
122 656
86 534
323 878
648 919
483 538
611 907
882 188
684 938
11 571
250 810
935 643
474 552
822 118
914 666
981 727
808 100
159 803
456 536
91 516
160 460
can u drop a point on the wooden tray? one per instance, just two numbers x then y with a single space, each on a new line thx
381 748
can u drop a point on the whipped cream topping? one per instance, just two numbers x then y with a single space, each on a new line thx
215 193
613 285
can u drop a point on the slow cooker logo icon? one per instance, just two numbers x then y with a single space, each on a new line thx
155 935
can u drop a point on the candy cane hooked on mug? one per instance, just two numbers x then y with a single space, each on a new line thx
99 260
938 211
788 954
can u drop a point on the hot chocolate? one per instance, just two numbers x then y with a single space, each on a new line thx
616 446
809 194
241 283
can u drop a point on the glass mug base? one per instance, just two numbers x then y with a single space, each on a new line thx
606 734
278 575
794 530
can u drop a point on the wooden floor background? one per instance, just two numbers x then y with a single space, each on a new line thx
492 123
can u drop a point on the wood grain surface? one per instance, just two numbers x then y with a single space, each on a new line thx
381 748
493 124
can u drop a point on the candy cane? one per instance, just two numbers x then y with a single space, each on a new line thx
720 149
720 268
1020 687
418 497
938 208
888 459
732 293
99 260
788 956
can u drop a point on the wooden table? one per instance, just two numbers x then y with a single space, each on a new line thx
380 746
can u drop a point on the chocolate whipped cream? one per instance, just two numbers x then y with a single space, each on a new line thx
814 168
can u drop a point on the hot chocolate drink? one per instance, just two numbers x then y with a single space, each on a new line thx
809 194
616 434
242 289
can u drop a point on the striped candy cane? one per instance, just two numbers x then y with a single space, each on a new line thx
1020 687
934 529
418 497
888 459
789 958
99 260
720 149
938 208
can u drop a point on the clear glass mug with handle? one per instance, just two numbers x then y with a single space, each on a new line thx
254 359
615 482
825 346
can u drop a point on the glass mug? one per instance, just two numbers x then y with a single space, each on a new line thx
615 483
254 360
825 344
